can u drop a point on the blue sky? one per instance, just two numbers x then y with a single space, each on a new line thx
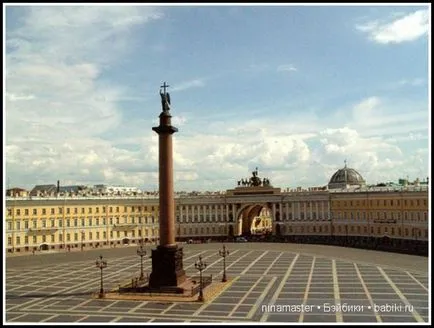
294 90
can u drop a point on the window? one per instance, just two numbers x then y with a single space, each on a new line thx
117 220
52 211
26 224
26 211
67 211
9 225
90 222
132 209
35 211
90 235
97 210
90 209
44 211
104 234
118 233
110 209
44 223
9 240
104 221
52 238
26 240
103 209
76 236
34 239
18 225
18 240
35 224
82 222
60 237
60 210
97 235
125 209
111 234
97 222
82 210
52 223
68 237
75 210
44 238
68 222
18 212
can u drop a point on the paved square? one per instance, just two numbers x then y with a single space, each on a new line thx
272 284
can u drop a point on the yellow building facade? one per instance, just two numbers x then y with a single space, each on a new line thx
377 212
46 223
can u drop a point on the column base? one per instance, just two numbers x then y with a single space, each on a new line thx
167 267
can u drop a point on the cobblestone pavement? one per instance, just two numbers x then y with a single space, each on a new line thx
271 283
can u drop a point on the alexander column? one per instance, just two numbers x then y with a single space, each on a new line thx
167 267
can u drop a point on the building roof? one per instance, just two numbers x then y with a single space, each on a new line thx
43 188
346 176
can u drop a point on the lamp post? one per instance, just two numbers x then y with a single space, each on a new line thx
224 253
82 239
101 264
141 252
200 265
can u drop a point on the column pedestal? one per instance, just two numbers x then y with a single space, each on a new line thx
167 267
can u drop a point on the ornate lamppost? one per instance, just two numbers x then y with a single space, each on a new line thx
101 264
224 253
141 251
200 265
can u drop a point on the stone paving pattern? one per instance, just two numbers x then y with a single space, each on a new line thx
270 283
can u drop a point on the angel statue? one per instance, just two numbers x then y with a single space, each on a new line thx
165 97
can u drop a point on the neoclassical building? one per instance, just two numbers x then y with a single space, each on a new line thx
64 222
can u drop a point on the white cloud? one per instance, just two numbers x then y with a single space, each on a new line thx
407 28
196 83
286 68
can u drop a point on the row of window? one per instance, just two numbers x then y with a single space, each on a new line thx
43 211
384 202
82 236
75 221
382 215
138 209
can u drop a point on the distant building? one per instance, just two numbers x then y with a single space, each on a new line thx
107 189
44 190
17 192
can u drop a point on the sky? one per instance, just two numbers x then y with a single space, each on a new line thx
292 90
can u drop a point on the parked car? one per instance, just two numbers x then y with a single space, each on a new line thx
240 240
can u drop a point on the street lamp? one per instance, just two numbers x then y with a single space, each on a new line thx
141 252
224 253
200 265
101 264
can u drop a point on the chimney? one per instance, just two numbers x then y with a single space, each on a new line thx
58 186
